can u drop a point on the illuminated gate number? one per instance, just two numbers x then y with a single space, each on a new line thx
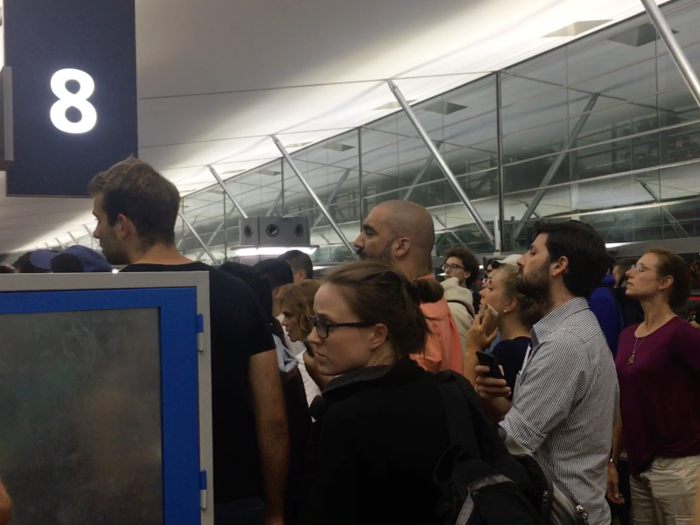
79 101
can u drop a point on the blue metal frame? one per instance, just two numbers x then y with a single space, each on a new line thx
179 385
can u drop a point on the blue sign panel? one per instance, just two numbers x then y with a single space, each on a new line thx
74 91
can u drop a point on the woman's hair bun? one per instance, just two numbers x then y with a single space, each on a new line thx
425 291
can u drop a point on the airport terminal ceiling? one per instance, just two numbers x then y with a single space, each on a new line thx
215 80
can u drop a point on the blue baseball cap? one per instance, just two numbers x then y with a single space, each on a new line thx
76 259
42 259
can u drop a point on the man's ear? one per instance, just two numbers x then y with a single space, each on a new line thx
401 246
124 226
560 266
300 276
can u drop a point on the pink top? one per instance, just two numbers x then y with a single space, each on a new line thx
443 349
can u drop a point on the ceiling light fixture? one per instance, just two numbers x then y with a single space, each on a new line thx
577 28
390 106
444 108
637 36
337 146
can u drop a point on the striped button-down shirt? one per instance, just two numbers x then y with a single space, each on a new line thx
564 403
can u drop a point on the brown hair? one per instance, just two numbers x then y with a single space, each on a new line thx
468 261
528 310
378 293
299 298
673 265
134 189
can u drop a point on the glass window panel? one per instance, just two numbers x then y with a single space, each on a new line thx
80 392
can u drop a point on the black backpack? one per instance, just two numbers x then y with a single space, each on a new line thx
481 482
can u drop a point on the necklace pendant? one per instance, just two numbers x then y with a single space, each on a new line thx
630 361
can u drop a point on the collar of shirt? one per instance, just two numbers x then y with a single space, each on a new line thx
554 319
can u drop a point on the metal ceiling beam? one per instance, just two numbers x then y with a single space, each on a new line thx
450 232
451 179
216 231
421 173
274 204
227 191
674 48
333 195
313 195
60 244
73 237
552 171
672 219
199 239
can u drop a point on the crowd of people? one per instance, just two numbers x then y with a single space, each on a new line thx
329 403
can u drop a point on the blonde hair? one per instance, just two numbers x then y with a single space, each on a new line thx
528 310
299 298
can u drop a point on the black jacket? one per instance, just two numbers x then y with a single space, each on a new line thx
378 437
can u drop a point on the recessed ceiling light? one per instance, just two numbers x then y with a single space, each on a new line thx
298 145
337 146
231 172
444 108
637 36
391 105
577 28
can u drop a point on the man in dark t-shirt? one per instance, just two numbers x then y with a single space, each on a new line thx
136 209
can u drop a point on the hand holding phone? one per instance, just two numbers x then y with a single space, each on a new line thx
491 362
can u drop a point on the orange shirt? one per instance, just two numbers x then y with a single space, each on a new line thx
443 349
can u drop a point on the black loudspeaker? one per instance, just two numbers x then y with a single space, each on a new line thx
275 231
284 231
250 231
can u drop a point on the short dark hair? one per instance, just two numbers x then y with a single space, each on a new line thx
674 265
278 272
134 189
469 262
260 286
585 250
624 265
24 265
298 260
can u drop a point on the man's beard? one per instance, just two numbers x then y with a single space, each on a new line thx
536 285
383 256
114 256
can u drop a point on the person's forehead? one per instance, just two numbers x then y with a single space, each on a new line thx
378 217
540 241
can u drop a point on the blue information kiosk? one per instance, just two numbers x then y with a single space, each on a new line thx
105 398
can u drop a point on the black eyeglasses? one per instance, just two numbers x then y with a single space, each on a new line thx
453 267
322 327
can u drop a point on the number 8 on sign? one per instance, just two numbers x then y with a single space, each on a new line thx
79 101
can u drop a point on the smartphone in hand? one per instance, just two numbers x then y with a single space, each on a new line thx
491 362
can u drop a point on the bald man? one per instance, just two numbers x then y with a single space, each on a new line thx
402 233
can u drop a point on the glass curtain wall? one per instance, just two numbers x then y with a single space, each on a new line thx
602 130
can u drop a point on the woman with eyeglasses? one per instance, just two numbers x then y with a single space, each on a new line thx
380 427
658 366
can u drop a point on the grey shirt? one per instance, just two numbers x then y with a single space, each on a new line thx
565 401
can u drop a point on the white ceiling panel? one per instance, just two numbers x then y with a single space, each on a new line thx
216 77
